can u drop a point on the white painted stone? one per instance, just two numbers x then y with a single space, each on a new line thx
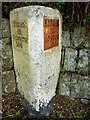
37 71
64 85
66 38
70 59
83 60
80 86
65 90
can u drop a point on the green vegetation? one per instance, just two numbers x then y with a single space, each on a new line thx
73 13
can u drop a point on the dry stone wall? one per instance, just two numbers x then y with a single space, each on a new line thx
8 77
74 79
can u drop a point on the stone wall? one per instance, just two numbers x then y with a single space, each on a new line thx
8 77
74 81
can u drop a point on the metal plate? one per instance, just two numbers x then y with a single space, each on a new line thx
51 33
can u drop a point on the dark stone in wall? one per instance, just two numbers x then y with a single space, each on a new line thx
8 76
74 74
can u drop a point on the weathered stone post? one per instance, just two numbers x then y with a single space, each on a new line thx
36 40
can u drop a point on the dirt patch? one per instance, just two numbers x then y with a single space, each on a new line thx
67 108
63 108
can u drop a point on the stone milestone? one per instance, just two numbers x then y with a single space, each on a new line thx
36 40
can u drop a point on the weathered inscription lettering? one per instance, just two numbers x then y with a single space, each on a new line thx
19 34
51 33
19 24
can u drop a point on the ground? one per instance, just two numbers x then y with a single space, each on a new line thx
64 108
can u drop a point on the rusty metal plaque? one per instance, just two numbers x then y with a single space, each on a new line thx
51 33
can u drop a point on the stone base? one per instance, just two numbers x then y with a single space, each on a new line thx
44 112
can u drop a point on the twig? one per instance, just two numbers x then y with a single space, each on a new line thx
73 12
86 8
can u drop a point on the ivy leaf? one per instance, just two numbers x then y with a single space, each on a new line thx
84 20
